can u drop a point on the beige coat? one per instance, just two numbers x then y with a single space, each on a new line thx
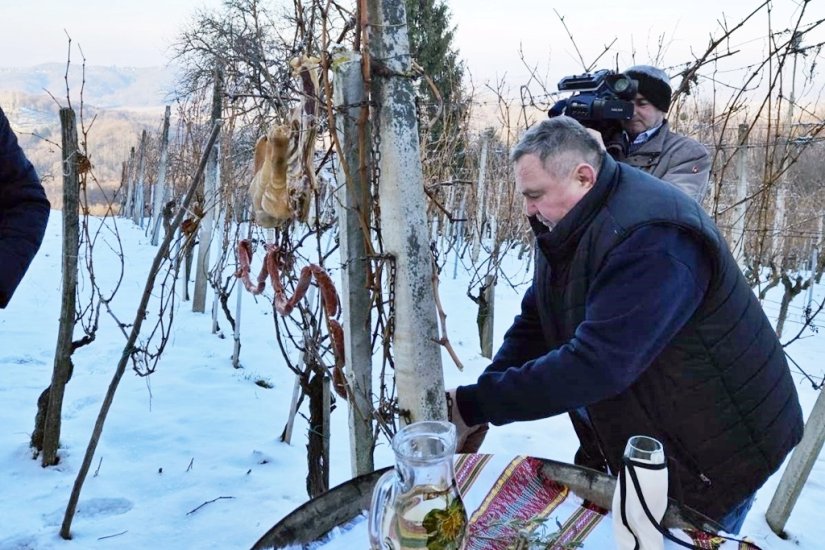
677 159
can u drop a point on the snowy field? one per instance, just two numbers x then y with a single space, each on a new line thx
198 430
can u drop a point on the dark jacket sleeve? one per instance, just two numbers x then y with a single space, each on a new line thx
647 290
24 212
523 341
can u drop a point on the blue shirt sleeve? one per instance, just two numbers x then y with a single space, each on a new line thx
649 287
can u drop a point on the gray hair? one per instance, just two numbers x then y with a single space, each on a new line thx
564 141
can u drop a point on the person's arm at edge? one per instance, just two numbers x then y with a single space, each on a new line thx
24 212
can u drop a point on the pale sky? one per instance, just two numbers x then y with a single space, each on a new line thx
132 33
490 32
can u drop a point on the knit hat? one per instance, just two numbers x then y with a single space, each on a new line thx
654 85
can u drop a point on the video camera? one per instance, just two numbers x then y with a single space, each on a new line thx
602 99
602 95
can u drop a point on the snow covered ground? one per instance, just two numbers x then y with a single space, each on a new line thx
198 430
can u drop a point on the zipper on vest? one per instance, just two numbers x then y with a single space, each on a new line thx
694 468
689 462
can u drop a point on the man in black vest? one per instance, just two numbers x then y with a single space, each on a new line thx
638 322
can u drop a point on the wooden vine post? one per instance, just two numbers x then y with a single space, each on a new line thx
353 213
159 198
209 205
799 468
71 243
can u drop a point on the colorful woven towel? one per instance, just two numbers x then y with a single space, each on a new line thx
520 499
505 496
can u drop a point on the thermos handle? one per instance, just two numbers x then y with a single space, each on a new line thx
382 495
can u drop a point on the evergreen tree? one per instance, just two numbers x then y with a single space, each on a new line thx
431 46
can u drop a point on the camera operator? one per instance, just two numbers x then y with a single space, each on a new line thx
677 159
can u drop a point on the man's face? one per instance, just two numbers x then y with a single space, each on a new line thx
547 196
645 117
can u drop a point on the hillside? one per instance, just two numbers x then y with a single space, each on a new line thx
118 103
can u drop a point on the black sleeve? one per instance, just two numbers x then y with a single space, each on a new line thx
24 212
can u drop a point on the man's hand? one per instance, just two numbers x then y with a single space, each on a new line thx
468 438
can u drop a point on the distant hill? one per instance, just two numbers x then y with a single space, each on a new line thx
121 101
109 87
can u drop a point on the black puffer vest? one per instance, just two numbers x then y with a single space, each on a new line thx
720 396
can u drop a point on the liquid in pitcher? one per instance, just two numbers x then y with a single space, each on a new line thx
426 517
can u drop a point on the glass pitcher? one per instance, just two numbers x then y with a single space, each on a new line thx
417 505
